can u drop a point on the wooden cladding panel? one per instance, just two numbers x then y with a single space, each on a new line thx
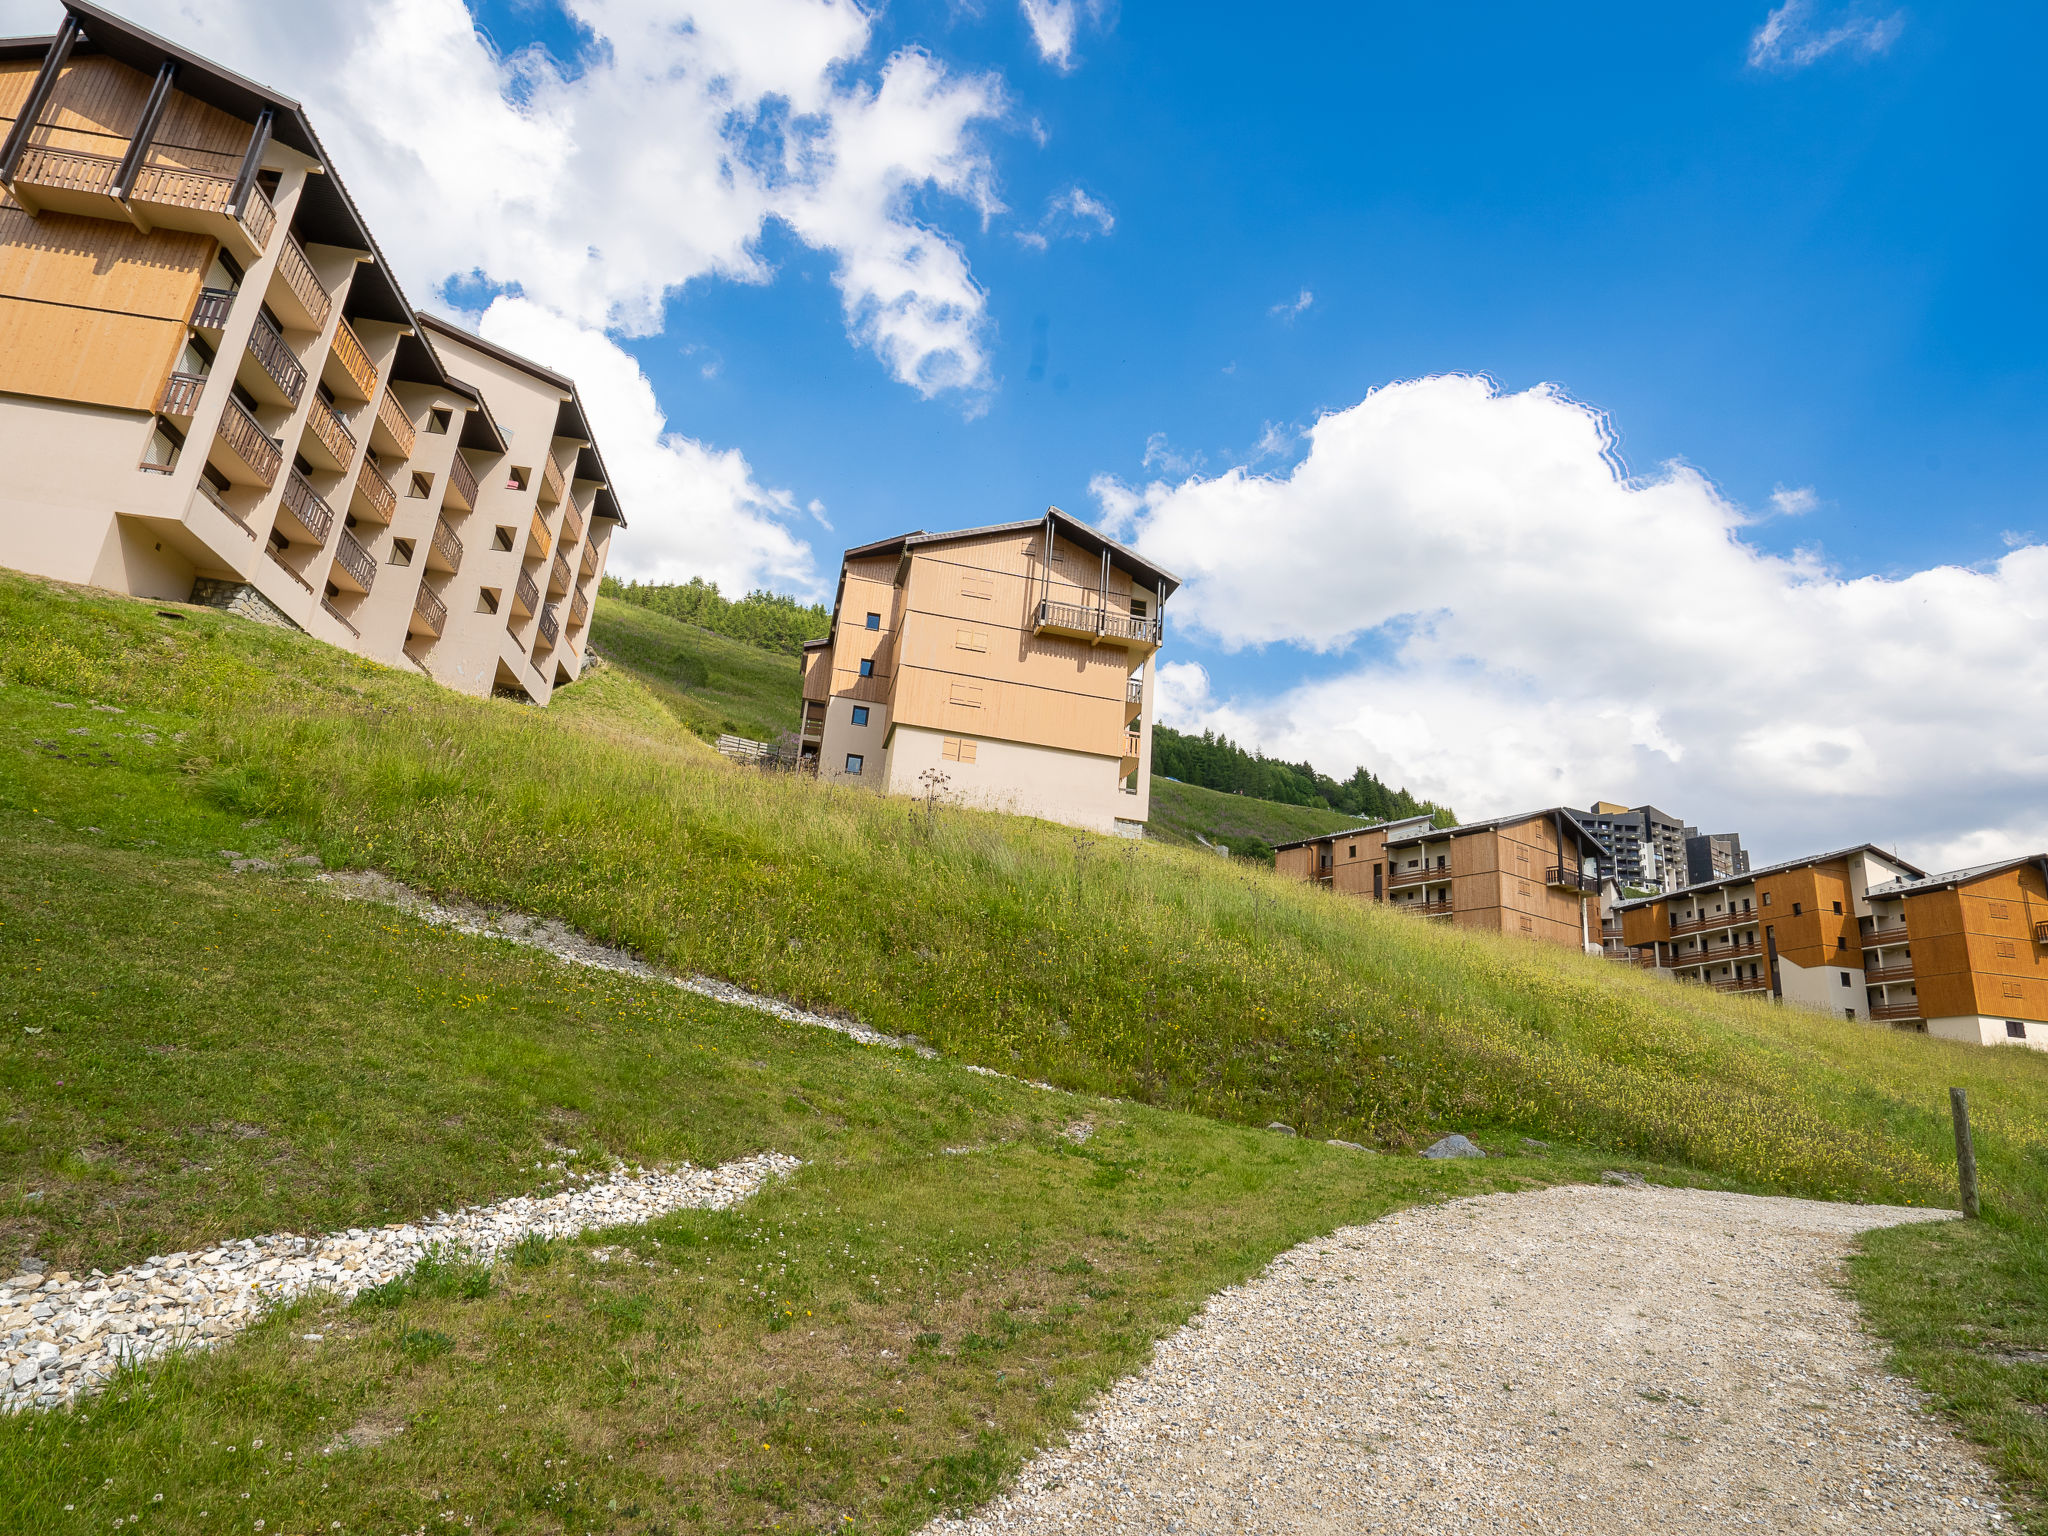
818 674
95 96
98 102
85 355
17 78
923 697
1074 666
98 264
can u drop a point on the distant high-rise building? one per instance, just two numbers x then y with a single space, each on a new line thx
1642 847
1714 856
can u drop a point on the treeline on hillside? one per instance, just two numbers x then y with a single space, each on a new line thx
1217 762
771 620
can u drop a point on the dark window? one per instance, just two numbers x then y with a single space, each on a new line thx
439 419
1795 909
1767 898
1841 943
1838 909
487 600
516 480
1353 853
422 485
502 539
2015 1030
1845 978
1848 1013
1137 608
853 762
874 621
401 551
860 714
867 667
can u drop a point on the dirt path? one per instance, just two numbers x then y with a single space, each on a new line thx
1580 1359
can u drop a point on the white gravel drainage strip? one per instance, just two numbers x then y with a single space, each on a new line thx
1587 1360
64 1336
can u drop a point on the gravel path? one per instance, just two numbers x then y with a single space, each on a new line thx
62 1335
1573 1360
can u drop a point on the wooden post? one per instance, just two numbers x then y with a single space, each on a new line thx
1966 1154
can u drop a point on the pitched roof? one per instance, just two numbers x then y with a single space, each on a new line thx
1948 880
1070 528
1771 869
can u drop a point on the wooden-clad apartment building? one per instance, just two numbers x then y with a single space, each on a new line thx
1003 667
1962 955
1533 874
212 388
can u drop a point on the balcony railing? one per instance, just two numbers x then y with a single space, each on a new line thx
430 610
558 577
308 508
331 433
526 594
304 285
1875 934
587 566
1134 691
335 614
1396 878
1133 744
446 547
1883 975
542 543
1894 1012
572 525
394 425
1704 924
72 171
579 611
374 498
461 492
1091 622
277 360
219 504
1570 879
355 560
1743 984
210 313
180 397
2041 933
550 626
278 560
1425 908
550 481
357 372
244 437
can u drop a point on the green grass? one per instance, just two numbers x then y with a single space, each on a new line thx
713 684
1164 977
1247 827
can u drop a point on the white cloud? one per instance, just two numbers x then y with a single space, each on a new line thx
1792 37
1290 310
1794 501
691 510
1536 630
1072 215
1055 24
1162 455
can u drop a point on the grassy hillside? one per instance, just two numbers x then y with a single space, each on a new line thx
1247 827
1164 977
711 683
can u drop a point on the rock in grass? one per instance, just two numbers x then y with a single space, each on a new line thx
1354 1146
1625 1180
1534 1145
1284 1130
1453 1145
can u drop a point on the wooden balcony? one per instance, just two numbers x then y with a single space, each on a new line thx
572 525
278 560
525 596
558 577
210 312
1397 878
253 457
429 614
1895 1013
348 370
550 629
1096 625
327 443
1885 975
373 500
214 499
1425 908
540 543
2041 933
587 566
392 431
354 570
1566 878
304 506
551 489
1877 935
336 614
579 611
163 197
296 293
1743 984
1710 922
277 377
180 396
461 489
444 550
1134 691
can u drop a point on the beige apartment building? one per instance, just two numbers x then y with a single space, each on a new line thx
1535 874
212 388
1005 667
1962 955
1792 931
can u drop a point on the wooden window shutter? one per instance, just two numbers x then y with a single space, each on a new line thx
972 585
2006 950
2012 989
1999 909
971 640
967 695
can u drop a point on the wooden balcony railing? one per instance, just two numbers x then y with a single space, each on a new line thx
245 438
331 433
541 544
374 498
395 425
355 560
180 397
550 627
67 170
550 481
1710 922
558 577
587 566
1088 621
446 546
219 504
335 614
357 371
278 560
1743 984
1875 934
1134 691
278 361
2041 933
1895 1012
526 595
1565 877
579 611
1884 975
307 506
303 284
461 492
1425 908
1396 878
572 525
431 610
210 313
70 170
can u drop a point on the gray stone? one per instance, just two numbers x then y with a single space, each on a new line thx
305 861
1284 1130
1453 1145
1534 1145
1625 1180
1354 1146
238 597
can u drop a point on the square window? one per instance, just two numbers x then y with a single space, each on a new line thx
1838 909
439 419
518 478
854 761
422 485
860 714
1845 978
2015 1030
1796 907
874 621
401 551
867 666
487 600
502 537
1767 898
1841 943
1353 853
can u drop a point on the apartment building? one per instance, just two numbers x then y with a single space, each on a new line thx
1006 667
1640 846
1713 856
1792 931
1535 874
1962 955
212 388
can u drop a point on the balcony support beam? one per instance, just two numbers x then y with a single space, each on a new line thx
252 162
38 98
145 132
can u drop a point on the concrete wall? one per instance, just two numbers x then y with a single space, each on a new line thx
1979 1030
1076 788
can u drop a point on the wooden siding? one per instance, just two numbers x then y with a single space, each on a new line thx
1973 948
